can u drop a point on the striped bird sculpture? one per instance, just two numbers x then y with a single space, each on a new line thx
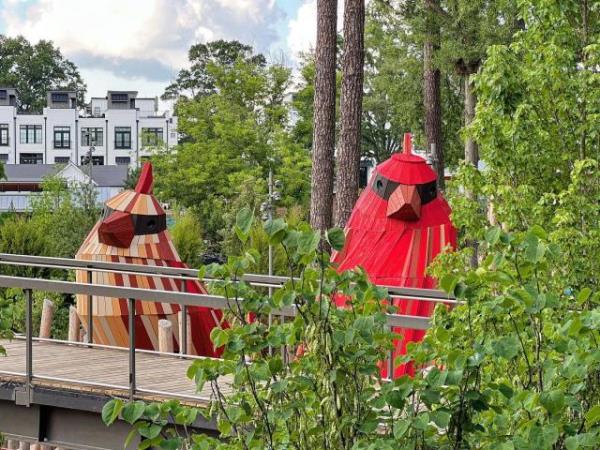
133 230
398 226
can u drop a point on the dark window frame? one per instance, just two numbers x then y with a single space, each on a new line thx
31 158
95 133
31 133
123 138
4 157
122 160
97 160
4 134
59 97
59 134
152 136
63 160
3 94
119 98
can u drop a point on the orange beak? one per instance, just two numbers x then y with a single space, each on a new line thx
117 230
404 203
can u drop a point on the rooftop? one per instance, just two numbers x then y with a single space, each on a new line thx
103 176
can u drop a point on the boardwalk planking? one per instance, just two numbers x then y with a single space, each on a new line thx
82 365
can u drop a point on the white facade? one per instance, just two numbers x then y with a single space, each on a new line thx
126 131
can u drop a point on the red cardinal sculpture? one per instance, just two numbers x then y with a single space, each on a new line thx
397 227
134 230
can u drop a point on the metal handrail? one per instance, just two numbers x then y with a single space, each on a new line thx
183 299
184 273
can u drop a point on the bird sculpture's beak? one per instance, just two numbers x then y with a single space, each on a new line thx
404 203
117 230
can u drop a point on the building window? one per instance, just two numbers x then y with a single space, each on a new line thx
59 97
3 158
31 158
119 98
122 160
96 160
122 137
3 134
97 111
152 136
3 94
61 160
92 136
30 134
62 137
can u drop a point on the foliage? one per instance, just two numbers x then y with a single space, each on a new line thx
198 80
514 367
36 69
233 135
60 219
536 117
187 238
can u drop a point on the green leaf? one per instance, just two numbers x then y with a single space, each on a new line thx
133 411
308 242
243 223
448 283
336 238
400 428
592 417
395 399
441 418
553 401
219 337
584 295
111 410
150 431
492 235
506 347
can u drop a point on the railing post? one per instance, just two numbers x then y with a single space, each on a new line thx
131 348
29 345
90 338
183 339
390 362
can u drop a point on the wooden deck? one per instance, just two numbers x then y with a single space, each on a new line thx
85 369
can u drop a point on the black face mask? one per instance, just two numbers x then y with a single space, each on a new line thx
143 224
384 188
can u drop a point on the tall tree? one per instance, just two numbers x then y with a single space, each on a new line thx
432 102
321 201
36 69
348 160
198 80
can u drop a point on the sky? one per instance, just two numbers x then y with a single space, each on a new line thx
141 44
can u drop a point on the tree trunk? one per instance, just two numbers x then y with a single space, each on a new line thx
471 149
321 200
348 158
432 103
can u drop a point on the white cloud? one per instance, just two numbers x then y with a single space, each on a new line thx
160 30
302 34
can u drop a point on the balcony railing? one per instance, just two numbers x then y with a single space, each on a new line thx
62 144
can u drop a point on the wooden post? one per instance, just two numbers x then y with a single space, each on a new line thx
46 321
74 325
35 447
24 445
165 336
11 444
188 350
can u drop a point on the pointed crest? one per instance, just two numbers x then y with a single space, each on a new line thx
145 181
407 149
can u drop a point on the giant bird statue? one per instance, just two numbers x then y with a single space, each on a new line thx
399 224
133 230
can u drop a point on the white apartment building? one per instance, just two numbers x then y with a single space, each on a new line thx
121 128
